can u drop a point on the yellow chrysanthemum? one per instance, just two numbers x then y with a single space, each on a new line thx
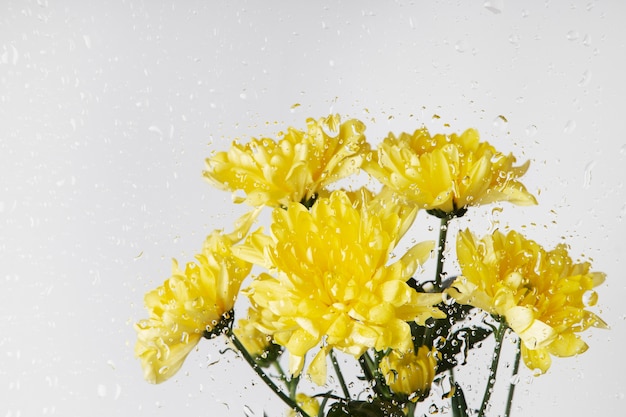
333 284
308 404
409 373
541 294
447 173
191 303
296 168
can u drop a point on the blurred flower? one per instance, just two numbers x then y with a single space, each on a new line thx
541 294
409 373
447 174
308 404
296 168
192 303
332 285
250 337
258 344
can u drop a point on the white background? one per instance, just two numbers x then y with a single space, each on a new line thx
108 109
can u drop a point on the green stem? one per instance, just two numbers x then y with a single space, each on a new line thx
342 382
410 412
242 350
499 335
443 233
370 369
365 366
291 383
509 401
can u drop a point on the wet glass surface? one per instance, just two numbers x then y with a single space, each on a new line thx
108 110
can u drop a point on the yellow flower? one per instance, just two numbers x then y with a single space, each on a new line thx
296 168
192 303
447 173
541 294
332 285
409 373
308 404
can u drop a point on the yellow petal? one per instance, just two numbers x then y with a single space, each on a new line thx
415 256
537 360
243 224
534 333
300 342
317 369
567 344
296 363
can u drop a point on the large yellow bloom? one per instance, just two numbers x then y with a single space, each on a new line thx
295 168
332 285
410 374
193 302
541 294
447 173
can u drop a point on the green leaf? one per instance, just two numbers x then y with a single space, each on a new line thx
365 409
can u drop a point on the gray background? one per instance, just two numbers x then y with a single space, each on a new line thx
108 109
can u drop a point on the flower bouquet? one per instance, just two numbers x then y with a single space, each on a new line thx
327 278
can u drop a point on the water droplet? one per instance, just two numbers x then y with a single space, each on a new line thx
494 6
15 55
587 175
531 130
514 39
439 342
572 35
461 46
514 379
569 127
590 298
500 122
586 77
247 411
155 129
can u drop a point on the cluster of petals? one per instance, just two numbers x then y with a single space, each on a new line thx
410 373
447 172
330 285
191 303
295 168
542 295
